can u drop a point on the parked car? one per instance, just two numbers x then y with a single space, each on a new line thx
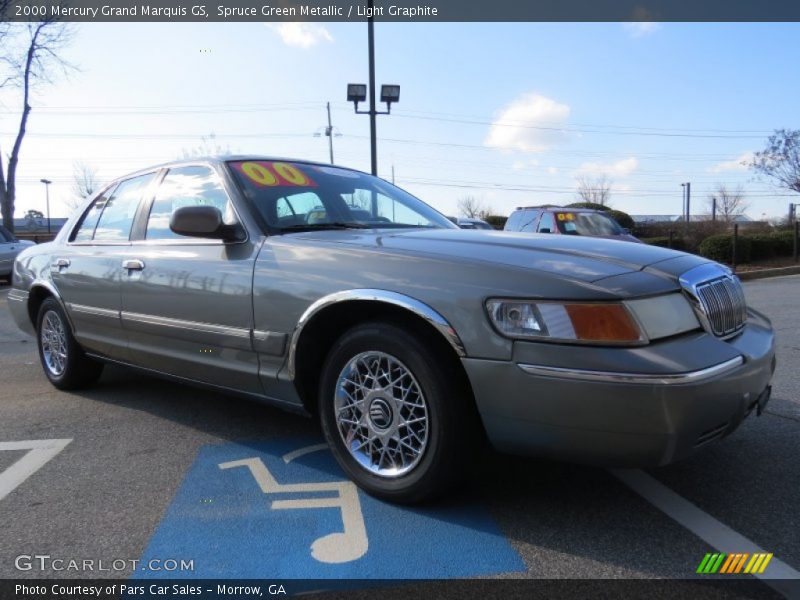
567 221
10 246
471 223
334 294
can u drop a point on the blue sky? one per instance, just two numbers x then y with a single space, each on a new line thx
509 113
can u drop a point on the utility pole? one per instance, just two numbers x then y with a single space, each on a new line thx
392 174
329 132
713 208
687 199
373 134
47 183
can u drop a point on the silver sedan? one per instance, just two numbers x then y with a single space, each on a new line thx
336 295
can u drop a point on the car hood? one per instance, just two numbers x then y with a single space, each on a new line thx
572 257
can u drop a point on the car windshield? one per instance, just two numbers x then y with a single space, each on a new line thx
584 223
300 197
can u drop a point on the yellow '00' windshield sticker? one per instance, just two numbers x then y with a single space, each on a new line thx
565 217
272 174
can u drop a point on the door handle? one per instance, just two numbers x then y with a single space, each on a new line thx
133 264
61 263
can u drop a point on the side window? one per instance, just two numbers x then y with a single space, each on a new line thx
185 186
85 230
528 221
115 222
546 224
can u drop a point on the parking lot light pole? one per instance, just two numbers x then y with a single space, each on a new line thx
357 92
47 183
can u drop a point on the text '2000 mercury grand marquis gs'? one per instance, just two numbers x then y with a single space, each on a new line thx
332 293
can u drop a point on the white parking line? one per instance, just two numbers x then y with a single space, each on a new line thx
40 452
780 576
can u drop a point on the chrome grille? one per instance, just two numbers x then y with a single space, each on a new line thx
722 301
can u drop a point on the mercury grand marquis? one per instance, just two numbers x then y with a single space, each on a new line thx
334 294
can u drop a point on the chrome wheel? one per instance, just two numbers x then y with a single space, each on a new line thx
54 343
381 414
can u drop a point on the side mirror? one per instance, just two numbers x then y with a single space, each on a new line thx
204 222
544 230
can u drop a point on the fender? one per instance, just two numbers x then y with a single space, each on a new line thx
411 304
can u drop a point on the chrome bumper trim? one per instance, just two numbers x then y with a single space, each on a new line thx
639 378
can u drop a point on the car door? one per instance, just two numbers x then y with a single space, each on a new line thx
87 269
187 302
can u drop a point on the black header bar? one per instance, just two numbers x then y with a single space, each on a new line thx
402 10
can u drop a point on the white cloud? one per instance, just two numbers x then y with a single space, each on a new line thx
621 168
301 35
552 170
641 28
737 164
531 123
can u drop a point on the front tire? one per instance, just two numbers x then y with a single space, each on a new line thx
398 416
64 362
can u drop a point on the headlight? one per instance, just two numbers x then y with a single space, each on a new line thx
625 323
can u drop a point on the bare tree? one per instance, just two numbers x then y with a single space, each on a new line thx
84 184
208 146
596 191
780 160
472 207
34 59
730 203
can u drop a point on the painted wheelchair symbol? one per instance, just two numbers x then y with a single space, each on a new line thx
341 547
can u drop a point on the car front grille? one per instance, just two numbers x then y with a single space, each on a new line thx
722 301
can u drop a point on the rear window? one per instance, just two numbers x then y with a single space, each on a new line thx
293 196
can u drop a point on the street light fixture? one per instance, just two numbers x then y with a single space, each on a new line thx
356 92
47 183
389 94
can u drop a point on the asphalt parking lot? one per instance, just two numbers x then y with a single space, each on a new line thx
138 476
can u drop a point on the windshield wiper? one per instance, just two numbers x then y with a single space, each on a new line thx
327 225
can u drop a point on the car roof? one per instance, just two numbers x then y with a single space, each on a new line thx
219 159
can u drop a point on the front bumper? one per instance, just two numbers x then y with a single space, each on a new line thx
624 407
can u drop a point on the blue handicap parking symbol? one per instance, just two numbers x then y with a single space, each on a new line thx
284 509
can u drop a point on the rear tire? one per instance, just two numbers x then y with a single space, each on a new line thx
398 416
64 362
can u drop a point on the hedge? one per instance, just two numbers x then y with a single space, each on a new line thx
784 242
720 248
663 241
496 221
589 205
763 246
